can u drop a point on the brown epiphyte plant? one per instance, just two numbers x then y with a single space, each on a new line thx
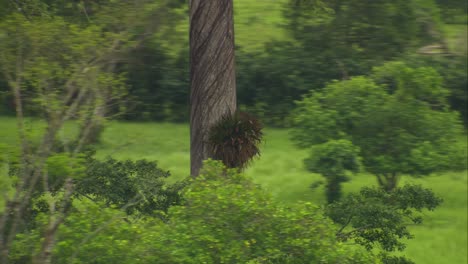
235 139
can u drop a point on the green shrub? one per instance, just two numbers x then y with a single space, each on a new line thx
95 233
225 218
228 219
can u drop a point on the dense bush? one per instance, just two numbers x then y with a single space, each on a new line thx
241 224
139 187
135 186
107 195
91 233
226 218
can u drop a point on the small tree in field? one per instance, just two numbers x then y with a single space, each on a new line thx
334 160
399 119
399 123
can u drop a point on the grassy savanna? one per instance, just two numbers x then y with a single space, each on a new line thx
441 239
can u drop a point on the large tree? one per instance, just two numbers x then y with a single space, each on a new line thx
212 73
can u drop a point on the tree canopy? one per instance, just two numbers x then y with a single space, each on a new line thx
398 117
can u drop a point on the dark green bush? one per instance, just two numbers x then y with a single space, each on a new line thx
104 216
137 186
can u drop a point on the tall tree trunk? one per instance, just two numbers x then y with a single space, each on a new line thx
212 72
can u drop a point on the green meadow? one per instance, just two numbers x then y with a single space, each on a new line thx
441 239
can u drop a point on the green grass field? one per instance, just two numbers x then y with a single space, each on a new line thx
442 238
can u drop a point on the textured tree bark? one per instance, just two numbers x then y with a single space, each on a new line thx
212 72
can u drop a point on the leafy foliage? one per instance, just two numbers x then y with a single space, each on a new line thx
376 217
334 159
401 124
92 233
453 70
50 75
330 40
241 224
319 45
60 166
136 186
57 169
234 139
453 11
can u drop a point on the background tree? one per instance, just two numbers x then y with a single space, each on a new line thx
453 69
400 122
274 71
330 40
212 72
453 11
